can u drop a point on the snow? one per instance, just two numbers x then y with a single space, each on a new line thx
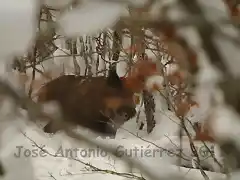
154 81
163 139
164 136
47 166
225 122
10 138
102 15
15 39
137 3
62 168
56 3
122 68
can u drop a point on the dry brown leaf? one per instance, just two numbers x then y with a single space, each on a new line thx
182 109
202 134
155 87
174 80
178 52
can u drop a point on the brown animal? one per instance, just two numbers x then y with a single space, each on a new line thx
101 104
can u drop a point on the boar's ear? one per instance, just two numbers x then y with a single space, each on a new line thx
113 79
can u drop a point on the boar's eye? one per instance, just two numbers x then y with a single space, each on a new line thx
125 115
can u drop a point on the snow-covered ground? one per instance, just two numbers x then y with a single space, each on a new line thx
152 149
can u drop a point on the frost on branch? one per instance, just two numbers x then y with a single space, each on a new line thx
10 138
18 26
91 17
18 22
57 4
154 83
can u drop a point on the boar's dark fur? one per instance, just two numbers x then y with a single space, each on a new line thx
92 102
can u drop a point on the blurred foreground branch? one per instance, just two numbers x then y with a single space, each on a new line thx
35 111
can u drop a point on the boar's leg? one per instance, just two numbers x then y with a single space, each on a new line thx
110 131
49 128
105 127
52 127
2 170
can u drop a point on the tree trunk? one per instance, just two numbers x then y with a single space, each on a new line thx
148 100
149 106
